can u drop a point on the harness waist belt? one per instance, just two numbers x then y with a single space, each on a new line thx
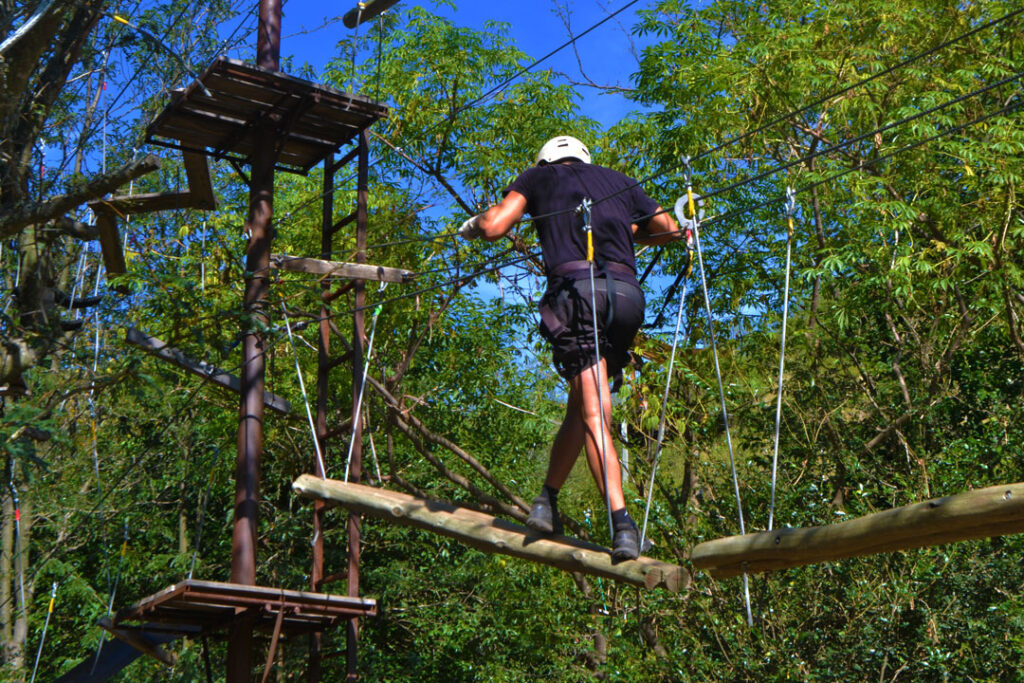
611 267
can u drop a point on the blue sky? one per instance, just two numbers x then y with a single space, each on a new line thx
311 31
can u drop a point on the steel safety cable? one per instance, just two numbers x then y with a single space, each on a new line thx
305 398
735 185
952 130
357 413
790 212
725 412
588 228
687 270
46 625
804 109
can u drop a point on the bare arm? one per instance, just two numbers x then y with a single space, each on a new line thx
499 219
661 229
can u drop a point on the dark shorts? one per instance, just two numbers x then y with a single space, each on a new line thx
567 322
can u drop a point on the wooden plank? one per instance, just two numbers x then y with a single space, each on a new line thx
355 271
110 242
145 202
215 375
200 186
493 535
139 641
982 513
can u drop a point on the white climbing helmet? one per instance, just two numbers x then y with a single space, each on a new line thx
563 147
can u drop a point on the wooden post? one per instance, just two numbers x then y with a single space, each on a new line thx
250 427
356 468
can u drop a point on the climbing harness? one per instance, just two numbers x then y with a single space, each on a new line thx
725 412
305 399
585 209
46 625
362 384
689 210
790 212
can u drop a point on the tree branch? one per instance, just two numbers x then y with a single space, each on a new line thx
36 213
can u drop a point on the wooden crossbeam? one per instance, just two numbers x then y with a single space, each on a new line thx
982 513
493 535
215 375
355 271
137 639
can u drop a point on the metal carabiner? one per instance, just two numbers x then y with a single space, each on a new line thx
790 201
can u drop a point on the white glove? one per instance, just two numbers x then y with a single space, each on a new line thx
470 230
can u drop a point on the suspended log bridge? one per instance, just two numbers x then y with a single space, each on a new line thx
993 511
493 535
160 349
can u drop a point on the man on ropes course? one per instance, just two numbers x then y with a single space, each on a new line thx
588 218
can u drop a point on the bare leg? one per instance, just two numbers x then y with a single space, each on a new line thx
601 455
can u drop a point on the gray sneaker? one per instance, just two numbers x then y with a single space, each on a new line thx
626 544
543 518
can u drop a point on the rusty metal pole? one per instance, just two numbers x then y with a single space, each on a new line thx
250 428
358 333
316 576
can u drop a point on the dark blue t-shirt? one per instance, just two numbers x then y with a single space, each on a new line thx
558 189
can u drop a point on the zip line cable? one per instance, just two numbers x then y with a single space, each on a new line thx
820 152
952 130
504 84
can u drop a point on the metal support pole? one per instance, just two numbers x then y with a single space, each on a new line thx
358 332
316 576
250 427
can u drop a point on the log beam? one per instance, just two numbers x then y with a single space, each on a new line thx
354 271
215 375
982 513
493 535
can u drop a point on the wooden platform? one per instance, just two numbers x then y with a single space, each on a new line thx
206 607
220 113
982 513
493 535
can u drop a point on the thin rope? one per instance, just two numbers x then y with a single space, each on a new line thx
671 363
585 208
113 593
356 415
46 625
202 510
790 210
17 544
725 412
305 399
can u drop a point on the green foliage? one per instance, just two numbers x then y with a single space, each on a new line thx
903 380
